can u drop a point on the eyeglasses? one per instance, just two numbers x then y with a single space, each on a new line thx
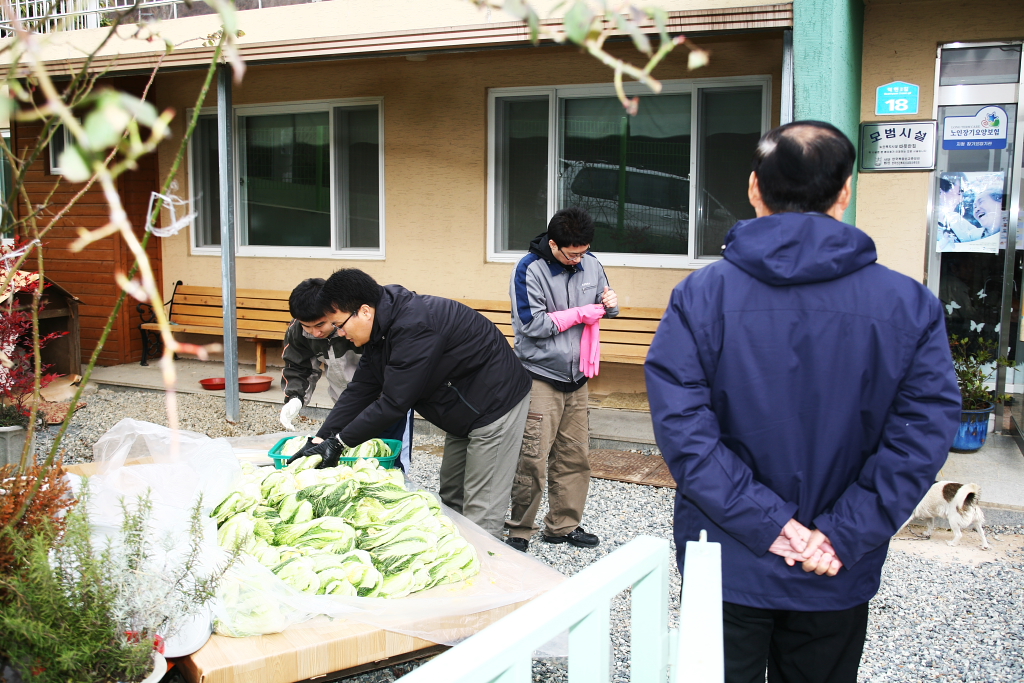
578 256
337 328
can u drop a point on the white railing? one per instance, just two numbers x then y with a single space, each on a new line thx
503 652
48 16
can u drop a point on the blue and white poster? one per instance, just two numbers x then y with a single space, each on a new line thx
897 99
971 212
985 130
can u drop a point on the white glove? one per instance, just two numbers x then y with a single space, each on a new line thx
288 413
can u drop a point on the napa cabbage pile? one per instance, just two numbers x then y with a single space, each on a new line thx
351 531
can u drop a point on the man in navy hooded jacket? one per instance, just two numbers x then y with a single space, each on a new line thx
804 399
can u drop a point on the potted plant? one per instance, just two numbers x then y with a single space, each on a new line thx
975 362
69 611
18 368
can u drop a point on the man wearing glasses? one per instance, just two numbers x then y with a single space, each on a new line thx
557 288
448 362
312 348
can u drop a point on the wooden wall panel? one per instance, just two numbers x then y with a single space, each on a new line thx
89 275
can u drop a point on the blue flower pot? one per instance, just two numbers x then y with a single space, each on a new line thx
973 429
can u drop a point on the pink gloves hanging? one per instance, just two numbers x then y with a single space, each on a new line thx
590 349
590 344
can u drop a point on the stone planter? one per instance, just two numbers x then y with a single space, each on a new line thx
159 669
12 441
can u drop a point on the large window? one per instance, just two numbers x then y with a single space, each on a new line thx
663 186
309 180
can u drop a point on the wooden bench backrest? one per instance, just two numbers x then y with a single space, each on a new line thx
624 338
258 310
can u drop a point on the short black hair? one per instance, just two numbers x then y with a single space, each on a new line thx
302 303
802 166
571 227
348 289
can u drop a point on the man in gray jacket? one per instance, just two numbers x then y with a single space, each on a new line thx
556 288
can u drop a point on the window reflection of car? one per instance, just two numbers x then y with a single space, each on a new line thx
656 202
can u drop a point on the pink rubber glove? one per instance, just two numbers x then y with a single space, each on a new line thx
574 316
592 313
590 349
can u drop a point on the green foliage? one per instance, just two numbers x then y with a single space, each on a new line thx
57 621
971 359
10 416
69 613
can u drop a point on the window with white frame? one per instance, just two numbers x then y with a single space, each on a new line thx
664 186
59 141
309 180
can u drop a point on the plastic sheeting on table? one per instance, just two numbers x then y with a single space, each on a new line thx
175 471
201 465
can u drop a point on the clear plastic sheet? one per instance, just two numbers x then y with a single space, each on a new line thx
254 449
174 479
444 614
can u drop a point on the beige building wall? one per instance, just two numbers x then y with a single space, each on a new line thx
900 42
435 136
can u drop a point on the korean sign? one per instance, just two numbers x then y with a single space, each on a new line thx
897 99
898 146
985 130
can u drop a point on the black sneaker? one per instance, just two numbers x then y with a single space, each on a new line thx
520 544
577 537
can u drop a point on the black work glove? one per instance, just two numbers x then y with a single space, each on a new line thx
304 451
329 450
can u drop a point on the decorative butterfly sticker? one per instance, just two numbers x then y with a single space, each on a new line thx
976 326
951 306
981 294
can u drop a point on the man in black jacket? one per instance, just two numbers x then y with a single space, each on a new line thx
449 363
311 347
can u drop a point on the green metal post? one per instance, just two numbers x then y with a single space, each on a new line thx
828 37
623 157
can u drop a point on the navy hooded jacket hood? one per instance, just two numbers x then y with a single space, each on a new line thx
797 378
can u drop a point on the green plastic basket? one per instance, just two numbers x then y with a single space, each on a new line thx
387 462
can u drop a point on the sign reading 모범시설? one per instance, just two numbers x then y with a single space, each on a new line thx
897 99
985 130
897 146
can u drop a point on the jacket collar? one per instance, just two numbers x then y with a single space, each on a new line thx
392 298
540 247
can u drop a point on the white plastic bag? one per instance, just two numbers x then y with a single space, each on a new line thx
176 470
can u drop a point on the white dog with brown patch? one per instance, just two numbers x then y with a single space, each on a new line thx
960 504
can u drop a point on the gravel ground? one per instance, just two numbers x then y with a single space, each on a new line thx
932 620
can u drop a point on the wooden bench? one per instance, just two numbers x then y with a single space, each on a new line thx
625 338
262 316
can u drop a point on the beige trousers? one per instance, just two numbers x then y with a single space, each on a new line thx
556 448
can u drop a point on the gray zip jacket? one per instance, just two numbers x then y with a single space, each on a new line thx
540 285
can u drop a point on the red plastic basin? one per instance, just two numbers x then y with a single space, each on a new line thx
254 384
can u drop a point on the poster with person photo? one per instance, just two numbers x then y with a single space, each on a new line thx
970 213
